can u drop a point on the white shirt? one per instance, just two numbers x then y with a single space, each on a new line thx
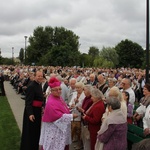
64 92
79 104
70 94
132 95
141 110
146 119
80 99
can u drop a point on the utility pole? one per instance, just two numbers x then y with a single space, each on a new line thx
25 49
147 41
12 55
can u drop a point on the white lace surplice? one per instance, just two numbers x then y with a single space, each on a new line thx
56 135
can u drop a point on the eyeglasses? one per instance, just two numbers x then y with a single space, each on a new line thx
123 83
56 89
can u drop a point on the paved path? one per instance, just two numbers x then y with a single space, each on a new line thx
17 105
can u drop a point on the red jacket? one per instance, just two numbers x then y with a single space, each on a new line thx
93 117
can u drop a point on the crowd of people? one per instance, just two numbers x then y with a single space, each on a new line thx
88 106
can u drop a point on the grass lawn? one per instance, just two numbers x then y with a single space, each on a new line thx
9 131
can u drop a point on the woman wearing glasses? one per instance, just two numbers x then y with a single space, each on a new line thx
56 121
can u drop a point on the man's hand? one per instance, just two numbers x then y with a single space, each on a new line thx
32 118
84 115
76 100
80 109
72 106
42 110
146 131
75 116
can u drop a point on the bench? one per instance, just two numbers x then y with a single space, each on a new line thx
135 134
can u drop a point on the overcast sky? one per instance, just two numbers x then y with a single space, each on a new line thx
97 22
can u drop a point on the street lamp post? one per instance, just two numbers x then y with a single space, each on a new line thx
147 41
25 49
12 55
0 57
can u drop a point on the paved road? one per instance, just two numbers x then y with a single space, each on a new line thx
17 105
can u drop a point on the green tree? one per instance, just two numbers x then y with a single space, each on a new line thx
40 43
59 56
6 61
86 60
98 62
65 48
144 59
21 55
130 54
103 63
0 60
109 54
93 51
53 46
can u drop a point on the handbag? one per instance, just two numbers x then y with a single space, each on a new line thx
99 145
86 132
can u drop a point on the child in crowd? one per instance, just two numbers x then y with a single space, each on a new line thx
129 107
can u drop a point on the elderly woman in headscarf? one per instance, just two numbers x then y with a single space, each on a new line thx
56 121
113 132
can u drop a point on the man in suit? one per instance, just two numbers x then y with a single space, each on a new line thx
92 80
32 114
2 90
72 88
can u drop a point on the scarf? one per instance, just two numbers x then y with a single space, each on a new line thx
114 117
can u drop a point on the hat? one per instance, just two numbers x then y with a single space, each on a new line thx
54 82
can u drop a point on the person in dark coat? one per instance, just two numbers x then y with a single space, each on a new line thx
2 84
32 114
87 102
101 84
44 87
93 80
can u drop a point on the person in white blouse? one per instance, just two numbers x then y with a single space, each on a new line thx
76 101
146 121
126 85
144 103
